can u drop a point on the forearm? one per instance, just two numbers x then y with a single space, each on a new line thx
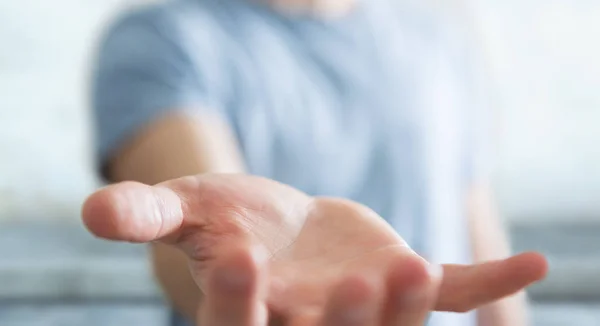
173 148
490 241
174 278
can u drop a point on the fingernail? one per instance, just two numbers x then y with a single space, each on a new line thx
435 271
417 295
260 254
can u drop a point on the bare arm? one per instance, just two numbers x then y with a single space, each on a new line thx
173 147
490 242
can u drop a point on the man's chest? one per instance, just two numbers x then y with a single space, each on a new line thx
320 106
317 105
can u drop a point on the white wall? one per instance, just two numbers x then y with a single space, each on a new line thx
545 59
545 56
44 142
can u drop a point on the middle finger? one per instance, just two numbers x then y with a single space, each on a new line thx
411 287
354 302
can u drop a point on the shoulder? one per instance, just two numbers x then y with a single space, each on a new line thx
140 21
163 27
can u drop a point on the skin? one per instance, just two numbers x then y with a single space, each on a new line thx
330 9
262 252
489 242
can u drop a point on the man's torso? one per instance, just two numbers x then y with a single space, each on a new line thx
366 107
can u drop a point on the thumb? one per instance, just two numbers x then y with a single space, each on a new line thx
133 212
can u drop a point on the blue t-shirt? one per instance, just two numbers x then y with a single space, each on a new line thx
379 106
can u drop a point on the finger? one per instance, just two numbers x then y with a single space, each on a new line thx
412 289
353 302
306 319
234 294
133 212
466 287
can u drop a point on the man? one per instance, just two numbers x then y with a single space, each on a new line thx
372 101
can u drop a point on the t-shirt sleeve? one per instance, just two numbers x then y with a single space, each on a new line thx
143 72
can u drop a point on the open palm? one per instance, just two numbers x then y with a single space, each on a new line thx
309 245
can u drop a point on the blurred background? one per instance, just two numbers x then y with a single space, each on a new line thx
544 57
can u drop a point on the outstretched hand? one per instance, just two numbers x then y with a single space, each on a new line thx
261 251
